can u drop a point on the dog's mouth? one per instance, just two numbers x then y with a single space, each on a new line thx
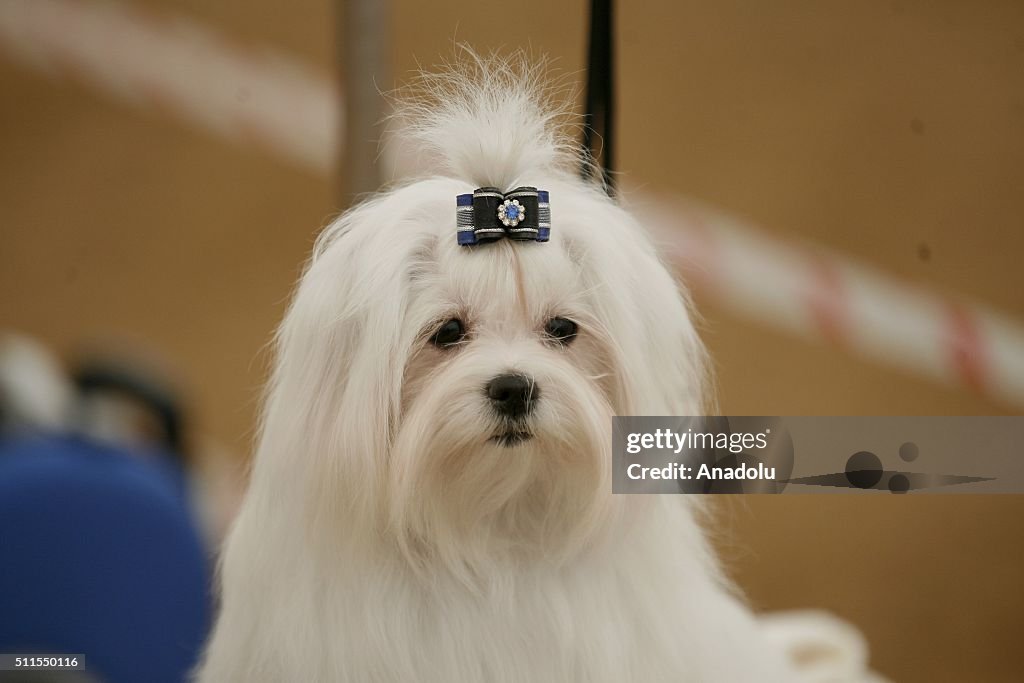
512 437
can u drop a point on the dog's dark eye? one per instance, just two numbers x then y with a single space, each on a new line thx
561 330
452 332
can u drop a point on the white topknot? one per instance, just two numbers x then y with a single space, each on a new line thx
487 121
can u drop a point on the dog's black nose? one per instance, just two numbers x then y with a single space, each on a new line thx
512 395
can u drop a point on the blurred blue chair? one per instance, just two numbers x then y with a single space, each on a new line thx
99 555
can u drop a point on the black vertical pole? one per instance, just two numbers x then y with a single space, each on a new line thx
599 108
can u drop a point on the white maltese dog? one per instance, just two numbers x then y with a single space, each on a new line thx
431 497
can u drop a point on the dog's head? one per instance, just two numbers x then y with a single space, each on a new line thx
458 400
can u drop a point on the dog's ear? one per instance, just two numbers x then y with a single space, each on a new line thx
660 363
672 351
340 355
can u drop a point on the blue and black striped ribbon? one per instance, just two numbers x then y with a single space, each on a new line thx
478 221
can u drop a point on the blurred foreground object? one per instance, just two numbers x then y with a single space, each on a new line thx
128 398
34 392
101 557
130 403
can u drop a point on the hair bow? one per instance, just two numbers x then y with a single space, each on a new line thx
488 214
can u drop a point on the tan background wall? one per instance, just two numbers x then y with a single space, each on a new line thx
890 130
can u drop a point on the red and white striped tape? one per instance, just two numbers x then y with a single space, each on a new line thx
281 105
813 293
260 98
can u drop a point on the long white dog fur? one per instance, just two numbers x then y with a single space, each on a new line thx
393 531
